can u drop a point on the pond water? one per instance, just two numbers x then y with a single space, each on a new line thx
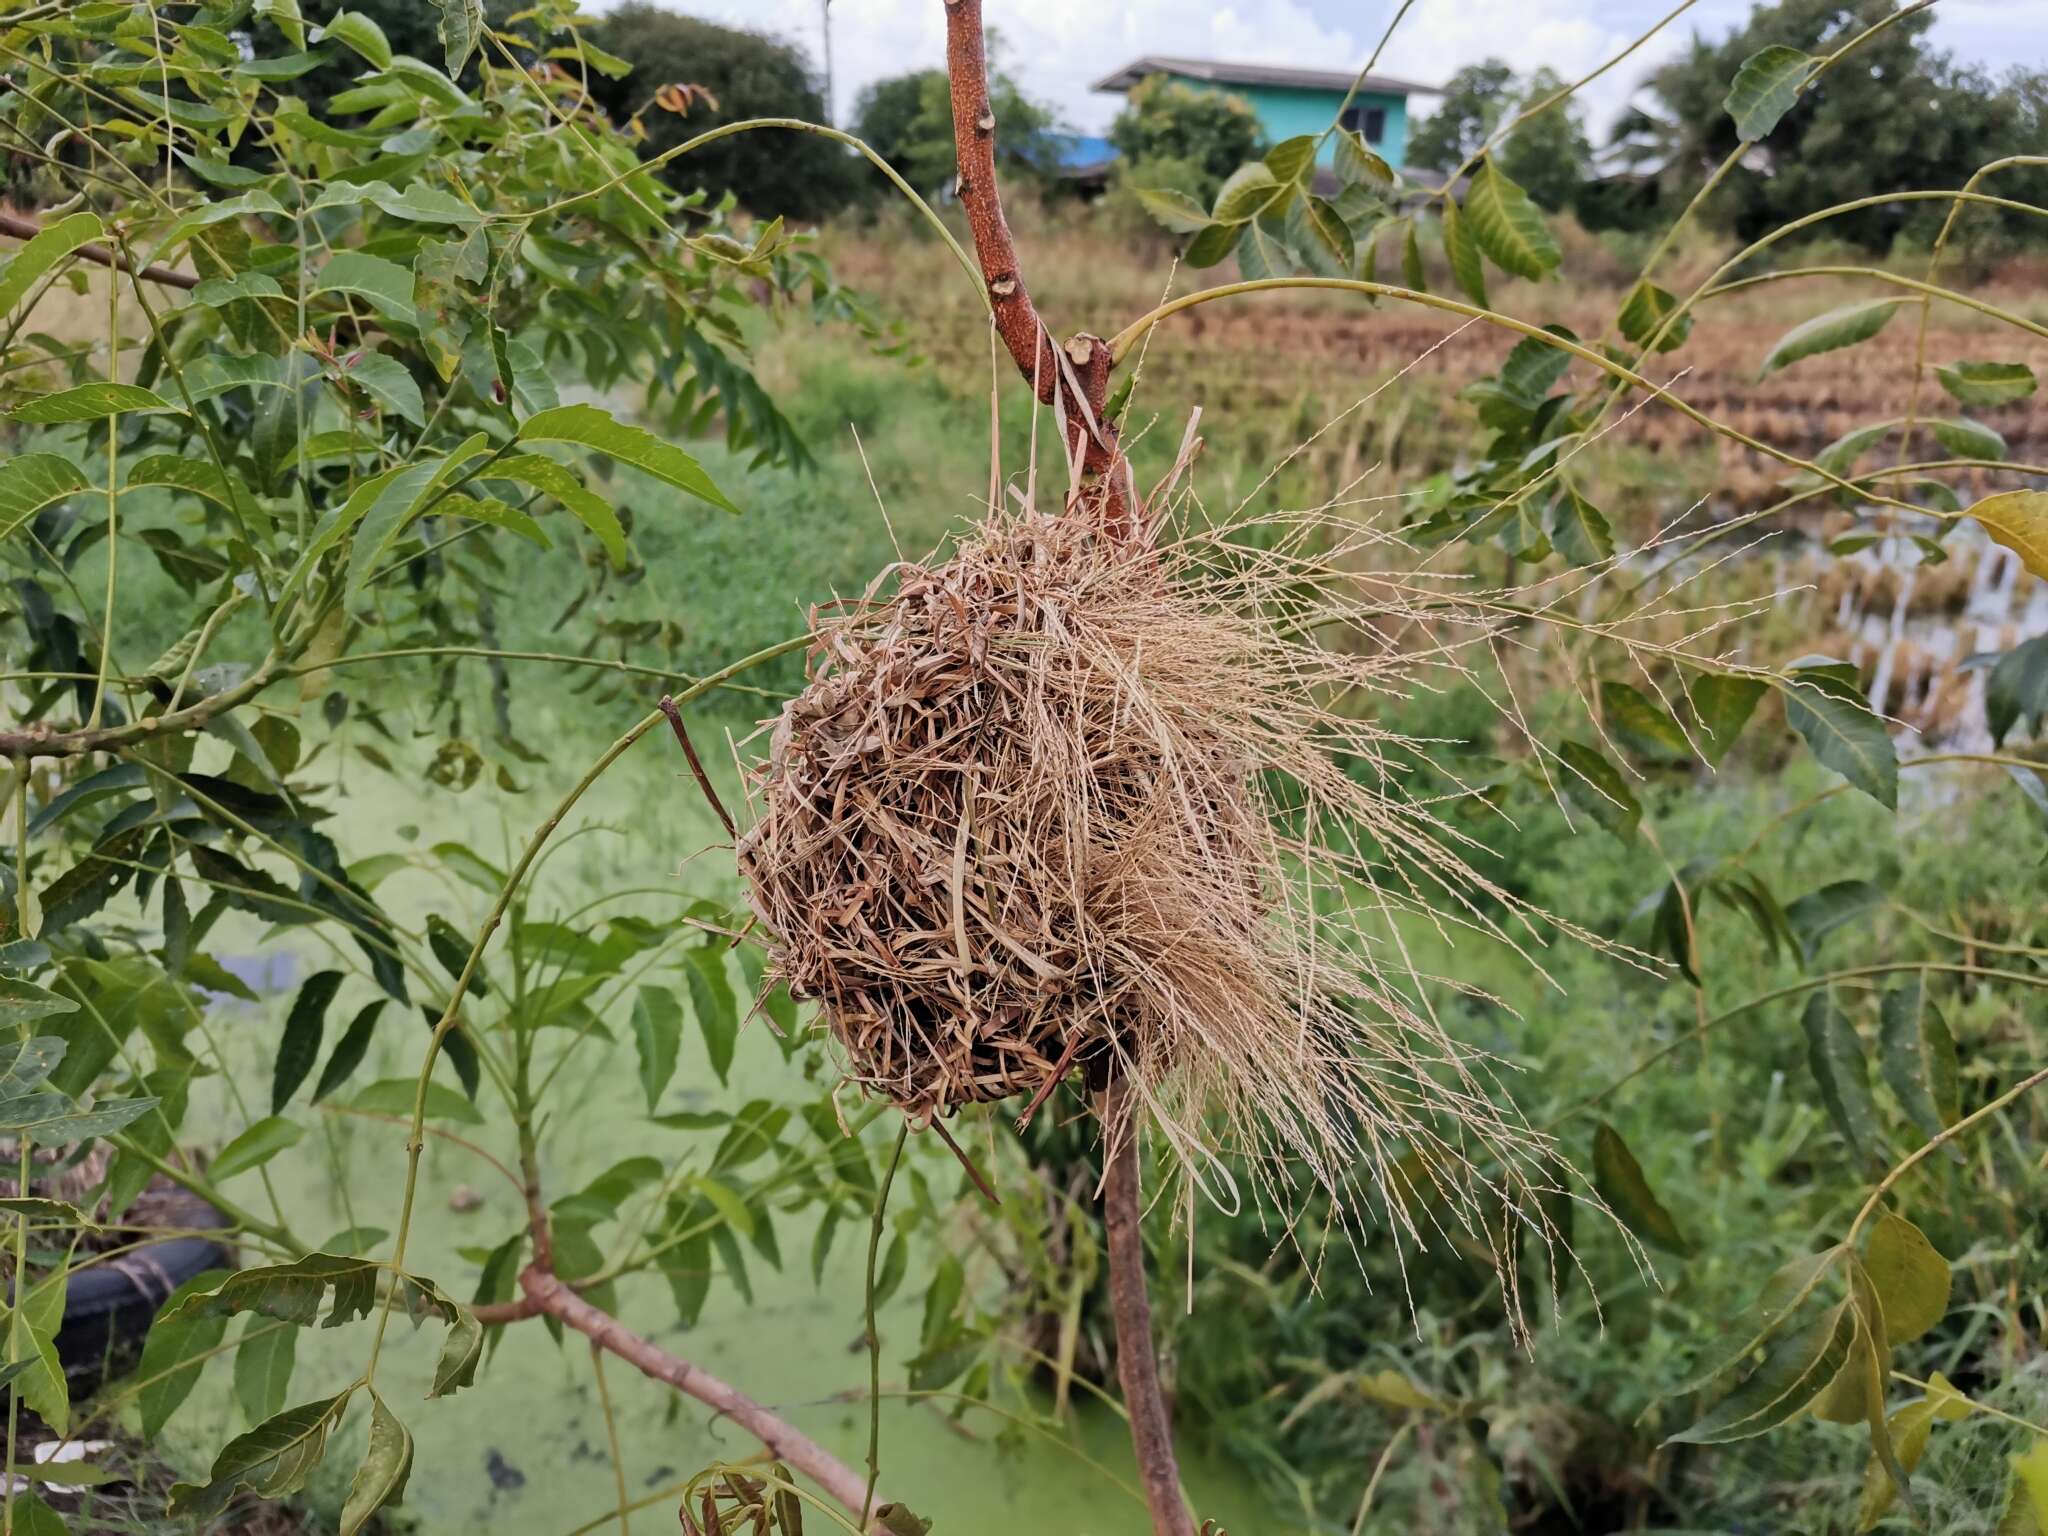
525 1448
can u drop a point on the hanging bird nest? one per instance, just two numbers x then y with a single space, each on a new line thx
1065 799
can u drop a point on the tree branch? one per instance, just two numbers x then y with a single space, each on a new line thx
42 741
1137 1369
783 1440
27 229
1075 377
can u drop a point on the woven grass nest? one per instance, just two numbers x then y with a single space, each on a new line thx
1064 800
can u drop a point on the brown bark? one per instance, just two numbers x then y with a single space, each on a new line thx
1137 1367
783 1441
27 229
1076 377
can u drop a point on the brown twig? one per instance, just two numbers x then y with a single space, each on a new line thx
783 1440
27 229
675 720
1077 376
966 1162
1137 1369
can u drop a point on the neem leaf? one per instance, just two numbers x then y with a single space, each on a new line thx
1919 1057
1967 439
658 1033
386 1464
1646 310
1463 254
1723 703
1620 1181
30 482
384 283
1765 87
1508 226
272 1460
256 1146
717 1010
1578 530
1834 1052
1173 209
88 402
299 1046
1829 713
1597 787
2019 521
44 250
589 427
1843 327
360 33
1986 384
462 23
1910 1278
1799 1363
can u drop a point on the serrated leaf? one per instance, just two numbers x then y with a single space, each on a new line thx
31 1339
387 381
30 482
1646 309
1834 1054
1508 226
1909 1277
1212 245
263 1367
385 284
1820 912
1830 715
1596 786
1249 191
1578 530
1621 1183
394 1096
89 402
356 31
1967 439
1356 163
1765 87
1413 272
1463 254
299 1046
587 426
53 1119
462 24
1787 1290
21 1004
1919 1057
1797 1365
1838 328
1636 715
29 265
1986 384
559 481
657 1034
1174 210
1722 702
712 1000
256 1146
349 1050
272 1460
1329 235
1291 160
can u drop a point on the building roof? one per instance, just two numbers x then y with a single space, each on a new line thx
1225 73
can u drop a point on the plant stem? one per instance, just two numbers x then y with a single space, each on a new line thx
1137 1368
783 1440
867 1502
27 229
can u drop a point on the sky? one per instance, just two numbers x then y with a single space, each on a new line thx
1057 48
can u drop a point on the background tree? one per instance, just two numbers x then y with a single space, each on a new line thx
908 120
1474 101
1176 135
1899 113
1550 154
748 75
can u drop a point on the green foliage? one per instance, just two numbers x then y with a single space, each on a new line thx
908 121
737 74
1202 136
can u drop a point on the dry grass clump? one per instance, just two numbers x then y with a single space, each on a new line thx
1063 800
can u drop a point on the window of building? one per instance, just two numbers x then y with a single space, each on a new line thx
1370 123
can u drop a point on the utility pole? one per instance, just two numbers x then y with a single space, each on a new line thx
825 20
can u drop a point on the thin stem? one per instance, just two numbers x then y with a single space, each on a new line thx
99 692
867 1502
1137 1368
611 1435
1934 1144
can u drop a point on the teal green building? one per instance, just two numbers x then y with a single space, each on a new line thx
1294 101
